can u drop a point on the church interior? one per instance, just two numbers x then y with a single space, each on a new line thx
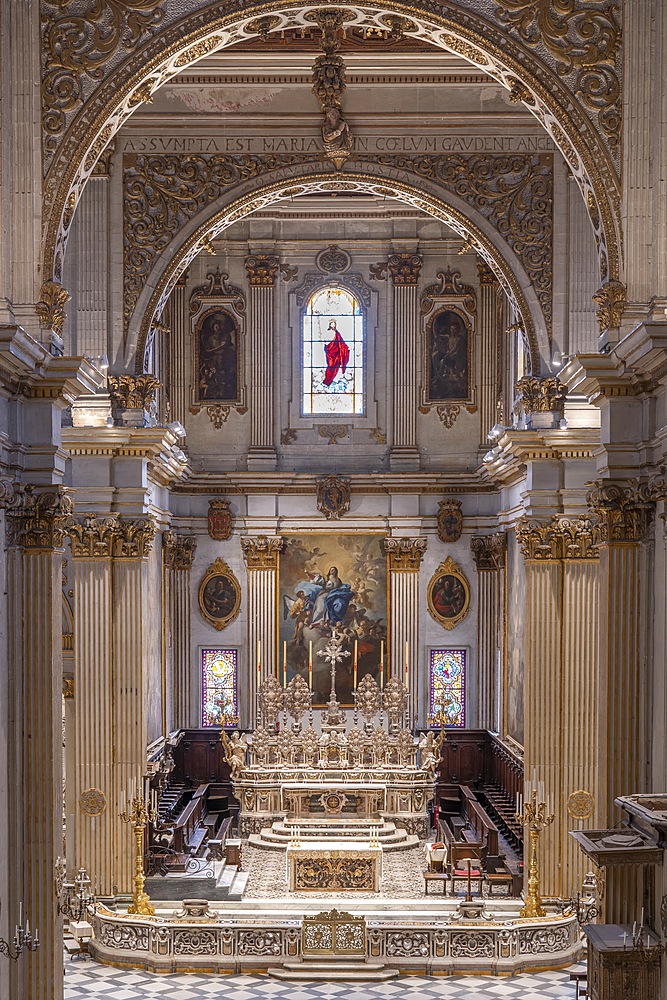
333 423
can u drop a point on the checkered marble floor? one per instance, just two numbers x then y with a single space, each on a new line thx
86 979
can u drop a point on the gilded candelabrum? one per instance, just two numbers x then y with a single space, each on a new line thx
141 814
535 817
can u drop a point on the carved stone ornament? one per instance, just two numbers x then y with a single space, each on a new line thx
111 537
218 414
217 287
219 595
92 802
329 69
580 804
178 551
298 698
405 268
448 594
447 414
450 287
333 497
271 701
220 520
394 700
133 392
333 260
405 554
51 306
333 433
559 538
610 300
262 270
624 513
449 521
261 551
539 395
489 551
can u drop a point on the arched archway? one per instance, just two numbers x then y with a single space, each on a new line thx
200 231
467 32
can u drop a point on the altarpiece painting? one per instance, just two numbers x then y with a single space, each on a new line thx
333 582
448 357
218 358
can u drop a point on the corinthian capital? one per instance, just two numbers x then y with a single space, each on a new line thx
261 551
405 554
489 551
262 270
111 537
540 395
38 520
405 268
559 538
178 551
624 512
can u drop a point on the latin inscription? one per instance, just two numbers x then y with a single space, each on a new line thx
363 144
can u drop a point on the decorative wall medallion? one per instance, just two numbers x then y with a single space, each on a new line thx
332 432
580 804
220 520
217 414
448 594
450 520
333 260
92 802
333 802
333 497
219 595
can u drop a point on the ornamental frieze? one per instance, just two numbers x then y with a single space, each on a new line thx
111 537
559 538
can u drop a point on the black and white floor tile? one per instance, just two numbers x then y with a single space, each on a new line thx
86 980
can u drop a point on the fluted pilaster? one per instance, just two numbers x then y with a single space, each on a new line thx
180 352
261 555
405 556
87 268
178 553
490 368
582 280
405 269
262 270
489 552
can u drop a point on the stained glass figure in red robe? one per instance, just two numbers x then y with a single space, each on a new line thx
337 354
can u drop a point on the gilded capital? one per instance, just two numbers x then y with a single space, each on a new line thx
610 300
405 268
405 554
68 687
112 537
51 306
262 270
539 395
38 520
261 551
486 275
178 551
560 538
489 551
623 511
133 392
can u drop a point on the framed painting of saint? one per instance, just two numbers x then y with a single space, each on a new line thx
219 595
447 360
448 594
218 377
332 583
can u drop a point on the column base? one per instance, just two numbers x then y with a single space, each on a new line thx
404 460
262 460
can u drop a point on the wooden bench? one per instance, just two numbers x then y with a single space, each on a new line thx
497 873
216 844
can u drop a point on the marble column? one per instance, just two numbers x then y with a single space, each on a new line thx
561 698
178 552
405 269
179 358
36 525
405 556
489 552
489 359
261 556
110 596
262 270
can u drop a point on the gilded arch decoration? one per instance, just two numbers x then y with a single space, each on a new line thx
553 61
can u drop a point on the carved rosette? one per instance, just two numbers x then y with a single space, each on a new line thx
133 392
261 551
405 268
112 537
262 270
610 300
178 551
37 520
405 554
50 308
539 395
623 512
489 551
559 538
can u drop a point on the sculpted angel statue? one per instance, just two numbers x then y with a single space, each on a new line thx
235 752
428 755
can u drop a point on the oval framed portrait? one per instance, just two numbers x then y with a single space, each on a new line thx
219 595
448 594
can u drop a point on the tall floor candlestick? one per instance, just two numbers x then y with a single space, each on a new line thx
140 815
535 817
284 663
406 666
381 664
310 665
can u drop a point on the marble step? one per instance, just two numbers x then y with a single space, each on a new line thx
268 841
237 888
341 969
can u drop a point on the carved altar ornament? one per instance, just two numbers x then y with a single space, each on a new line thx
220 520
178 551
133 392
50 308
449 520
235 752
623 512
448 594
261 551
271 701
559 538
298 698
111 537
394 700
489 551
405 268
610 300
37 520
405 554
333 496
262 270
539 395
219 595
367 698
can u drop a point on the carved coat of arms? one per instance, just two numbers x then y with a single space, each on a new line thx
333 496
220 521
450 520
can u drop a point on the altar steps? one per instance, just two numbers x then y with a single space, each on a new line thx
345 969
279 834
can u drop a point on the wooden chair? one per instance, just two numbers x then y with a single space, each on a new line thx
497 873
437 878
580 980
470 870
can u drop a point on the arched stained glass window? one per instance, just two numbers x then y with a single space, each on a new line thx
218 675
448 687
333 354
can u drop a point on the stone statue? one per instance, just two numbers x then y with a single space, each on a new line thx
336 136
428 752
235 752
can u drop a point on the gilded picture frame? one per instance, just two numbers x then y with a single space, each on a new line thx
218 358
448 356
219 595
448 594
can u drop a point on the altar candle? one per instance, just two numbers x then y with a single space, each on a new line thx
406 665
381 664
355 663
285 663
310 664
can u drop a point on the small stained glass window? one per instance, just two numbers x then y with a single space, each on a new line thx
333 354
219 701
448 687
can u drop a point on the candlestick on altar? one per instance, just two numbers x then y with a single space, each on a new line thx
140 815
534 816
381 664
285 663
356 646
406 666
310 664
